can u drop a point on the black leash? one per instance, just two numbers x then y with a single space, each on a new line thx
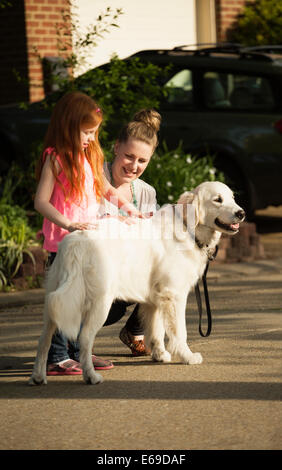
207 301
200 307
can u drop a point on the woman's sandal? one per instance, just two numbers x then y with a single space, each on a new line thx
71 367
101 364
137 346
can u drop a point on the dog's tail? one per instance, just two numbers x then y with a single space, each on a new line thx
66 300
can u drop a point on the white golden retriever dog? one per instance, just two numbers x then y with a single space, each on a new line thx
155 262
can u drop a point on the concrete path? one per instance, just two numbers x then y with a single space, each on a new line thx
231 401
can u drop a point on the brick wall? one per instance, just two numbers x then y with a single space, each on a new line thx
246 245
226 13
41 17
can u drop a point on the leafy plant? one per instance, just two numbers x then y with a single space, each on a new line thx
259 23
173 172
16 232
122 88
15 235
17 188
70 37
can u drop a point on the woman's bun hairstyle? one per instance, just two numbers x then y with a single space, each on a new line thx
144 126
150 117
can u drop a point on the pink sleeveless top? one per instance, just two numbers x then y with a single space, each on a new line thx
76 211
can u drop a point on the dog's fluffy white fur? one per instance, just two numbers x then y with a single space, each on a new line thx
157 270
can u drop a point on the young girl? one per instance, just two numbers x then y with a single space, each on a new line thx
133 151
71 184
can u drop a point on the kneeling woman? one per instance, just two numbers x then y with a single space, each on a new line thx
133 151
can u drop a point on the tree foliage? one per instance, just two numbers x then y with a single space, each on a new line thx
260 23
121 88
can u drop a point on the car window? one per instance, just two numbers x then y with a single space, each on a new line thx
233 91
179 88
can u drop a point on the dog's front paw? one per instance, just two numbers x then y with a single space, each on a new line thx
195 358
161 356
34 380
93 378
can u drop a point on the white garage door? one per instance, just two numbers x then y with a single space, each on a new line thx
145 24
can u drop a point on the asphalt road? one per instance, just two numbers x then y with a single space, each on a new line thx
231 401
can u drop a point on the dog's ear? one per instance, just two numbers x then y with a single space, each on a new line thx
190 198
186 198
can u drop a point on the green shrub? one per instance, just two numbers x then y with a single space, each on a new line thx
259 23
173 172
121 88
15 236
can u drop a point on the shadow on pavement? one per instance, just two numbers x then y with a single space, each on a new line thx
144 389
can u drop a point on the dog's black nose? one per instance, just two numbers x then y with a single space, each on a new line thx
240 214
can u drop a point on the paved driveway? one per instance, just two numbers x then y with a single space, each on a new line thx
231 401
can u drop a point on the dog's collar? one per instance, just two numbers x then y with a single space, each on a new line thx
210 252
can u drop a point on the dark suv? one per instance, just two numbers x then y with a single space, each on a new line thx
224 101
227 101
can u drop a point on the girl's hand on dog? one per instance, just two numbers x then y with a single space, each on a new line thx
81 226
